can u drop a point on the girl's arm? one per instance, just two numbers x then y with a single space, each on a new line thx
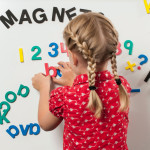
46 119
42 83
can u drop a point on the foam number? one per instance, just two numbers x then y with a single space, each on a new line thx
55 49
62 48
5 111
129 45
119 49
35 56
21 55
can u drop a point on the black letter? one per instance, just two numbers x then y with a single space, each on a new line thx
60 16
43 16
85 10
11 16
22 18
70 15
147 77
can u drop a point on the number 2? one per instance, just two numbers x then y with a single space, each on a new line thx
35 56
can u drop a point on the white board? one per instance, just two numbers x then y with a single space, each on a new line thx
132 22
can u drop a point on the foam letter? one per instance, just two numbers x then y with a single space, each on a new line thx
147 77
147 6
85 10
5 111
47 69
22 18
10 100
60 16
43 16
6 21
9 131
70 15
20 91
24 131
31 129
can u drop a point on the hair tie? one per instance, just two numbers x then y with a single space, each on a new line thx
118 81
92 87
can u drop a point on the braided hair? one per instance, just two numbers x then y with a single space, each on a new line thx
93 36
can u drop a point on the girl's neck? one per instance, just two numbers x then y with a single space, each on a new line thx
98 68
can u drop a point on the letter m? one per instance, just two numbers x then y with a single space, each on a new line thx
9 20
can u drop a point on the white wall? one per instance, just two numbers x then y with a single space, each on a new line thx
132 22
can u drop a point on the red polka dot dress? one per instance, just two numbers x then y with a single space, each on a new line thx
82 131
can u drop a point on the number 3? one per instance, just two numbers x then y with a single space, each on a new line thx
55 49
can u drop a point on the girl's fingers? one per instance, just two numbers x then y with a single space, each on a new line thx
63 63
60 68
58 81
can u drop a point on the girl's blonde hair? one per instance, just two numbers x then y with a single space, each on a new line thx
93 36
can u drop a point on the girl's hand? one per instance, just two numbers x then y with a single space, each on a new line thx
40 82
68 75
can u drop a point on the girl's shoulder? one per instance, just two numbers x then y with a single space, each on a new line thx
60 90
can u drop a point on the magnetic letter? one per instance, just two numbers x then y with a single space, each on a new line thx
43 16
24 131
49 68
9 21
56 12
147 6
10 100
147 77
9 131
85 10
5 111
20 91
70 15
31 129
25 13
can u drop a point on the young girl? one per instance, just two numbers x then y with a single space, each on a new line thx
93 102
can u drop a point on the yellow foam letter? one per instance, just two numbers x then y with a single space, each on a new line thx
147 6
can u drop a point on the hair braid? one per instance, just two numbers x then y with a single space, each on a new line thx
114 65
124 100
95 104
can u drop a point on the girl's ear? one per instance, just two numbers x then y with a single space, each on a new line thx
73 58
